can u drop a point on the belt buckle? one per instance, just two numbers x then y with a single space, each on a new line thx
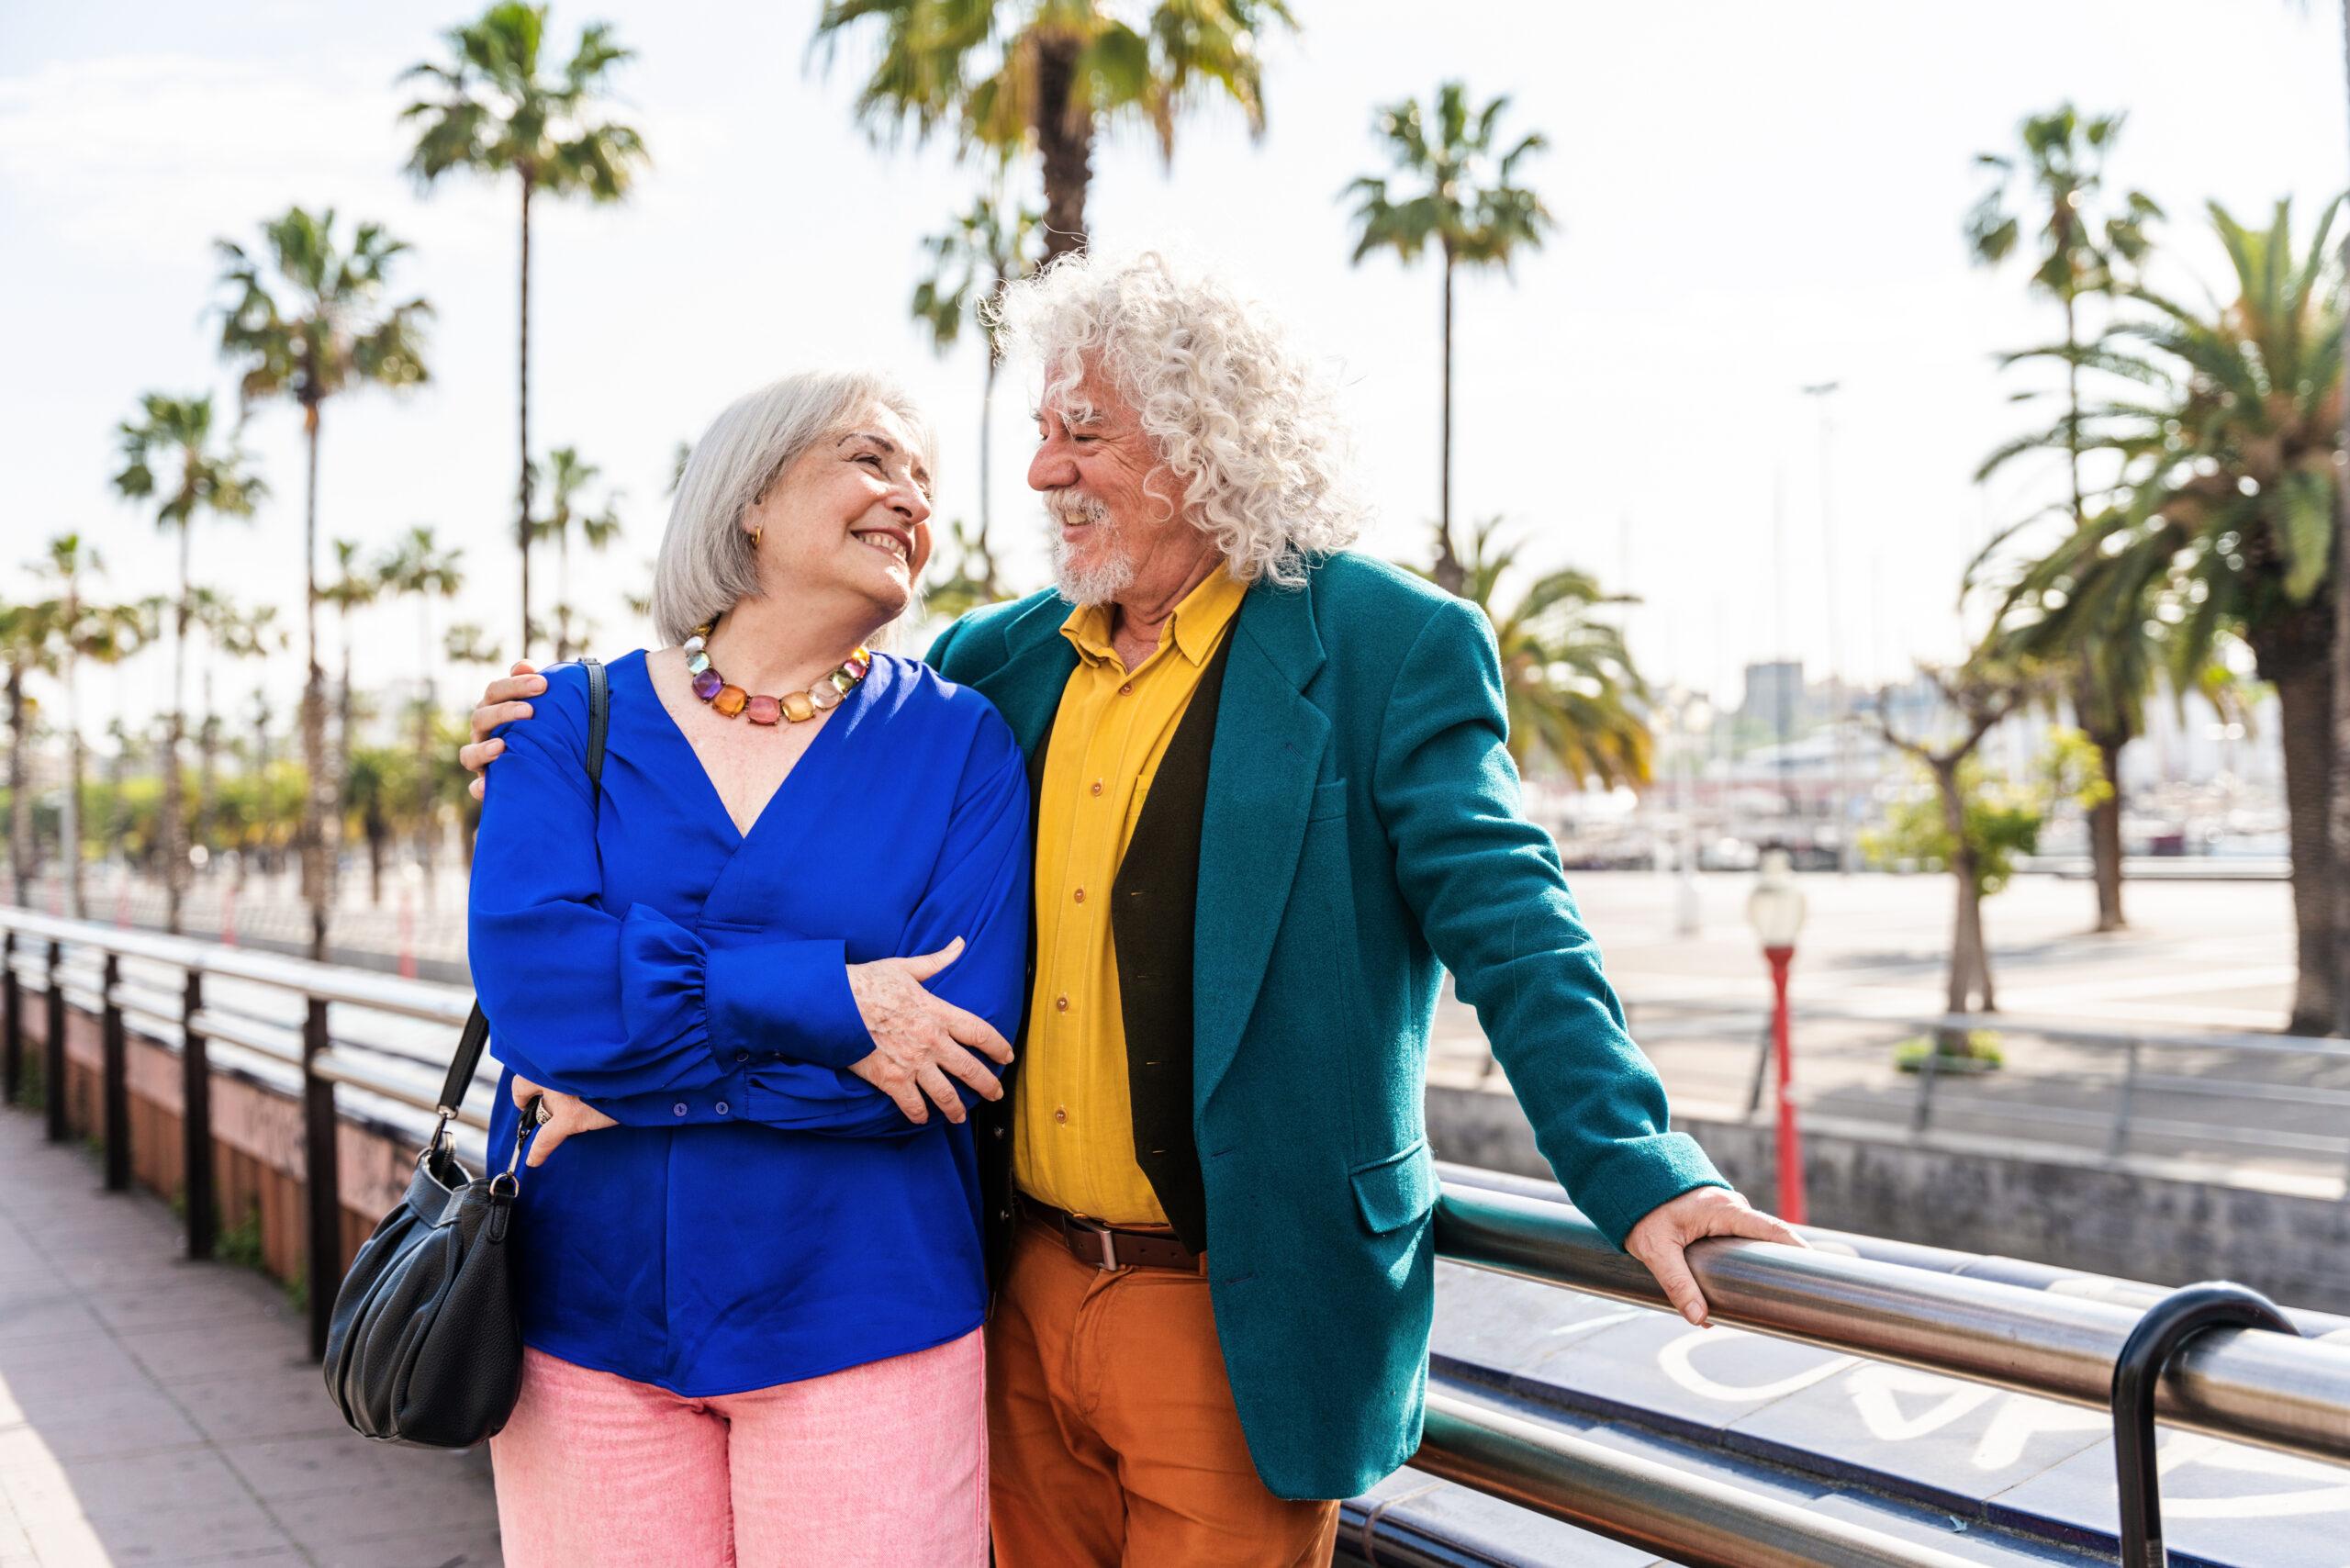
1095 1229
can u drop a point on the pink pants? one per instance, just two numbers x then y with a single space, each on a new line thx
880 1466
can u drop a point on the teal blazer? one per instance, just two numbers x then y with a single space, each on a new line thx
1363 835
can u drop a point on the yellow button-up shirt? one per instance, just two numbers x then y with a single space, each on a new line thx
1073 1140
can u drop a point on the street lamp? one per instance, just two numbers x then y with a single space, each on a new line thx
1775 910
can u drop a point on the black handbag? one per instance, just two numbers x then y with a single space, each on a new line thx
423 1347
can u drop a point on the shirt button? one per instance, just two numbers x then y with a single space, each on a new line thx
1128 689
722 1107
1081 895
1060 1004
741 1056
1002 1132
679 1107
1060 1113
1097 786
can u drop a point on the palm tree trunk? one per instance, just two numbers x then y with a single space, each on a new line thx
522 524
70 819
2305 712
344 705
1449 574
1969 964
316 787
169 838
2104 831
424 836
20 805
2338 802
1066 141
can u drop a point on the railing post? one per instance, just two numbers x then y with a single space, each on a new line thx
321 1179
12 1019
196 1120
115 1089
52 1051
2119 1139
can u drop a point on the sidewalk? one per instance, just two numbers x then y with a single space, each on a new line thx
158 1411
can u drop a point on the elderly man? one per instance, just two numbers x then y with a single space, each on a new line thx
1273 805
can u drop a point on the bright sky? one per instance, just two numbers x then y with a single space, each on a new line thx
1750 198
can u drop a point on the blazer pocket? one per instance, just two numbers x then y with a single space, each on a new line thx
1330 800
1397 1191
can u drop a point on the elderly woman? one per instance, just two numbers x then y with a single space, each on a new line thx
759 976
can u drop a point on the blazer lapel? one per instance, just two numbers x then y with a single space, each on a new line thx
1262 772
1027 688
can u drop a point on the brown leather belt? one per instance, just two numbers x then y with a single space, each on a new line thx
1112 1246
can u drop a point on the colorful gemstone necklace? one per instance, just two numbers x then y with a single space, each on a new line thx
797 706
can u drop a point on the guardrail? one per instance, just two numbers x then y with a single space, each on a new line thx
1862 1295
33 962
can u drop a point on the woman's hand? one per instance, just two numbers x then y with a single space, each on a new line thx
563 1115
920 1043
502 700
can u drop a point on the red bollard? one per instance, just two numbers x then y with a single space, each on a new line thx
228 916
407 934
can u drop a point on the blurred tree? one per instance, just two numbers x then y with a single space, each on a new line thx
2082 245
168 452
991 244
1470 206
467 642
2229 442
1573 690
372 788
237 633
1010 75
566 513
308 320
1967 830
420 566
496 114
355 586
30 643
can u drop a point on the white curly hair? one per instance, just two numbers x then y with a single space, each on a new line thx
1238 414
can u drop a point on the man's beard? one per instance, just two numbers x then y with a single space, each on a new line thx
1112 572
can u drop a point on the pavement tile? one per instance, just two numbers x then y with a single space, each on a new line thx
144 1426
285 1402
135 1406
431 1549
373 1509
1658 1364
168 1536
123 1484
283 1469
205 1352
2210 1490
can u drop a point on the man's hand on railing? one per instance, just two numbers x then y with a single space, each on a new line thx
501 700
1662 1238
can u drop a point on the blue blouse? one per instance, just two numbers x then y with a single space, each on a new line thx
760 1215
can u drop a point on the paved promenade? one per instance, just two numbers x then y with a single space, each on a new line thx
158 1411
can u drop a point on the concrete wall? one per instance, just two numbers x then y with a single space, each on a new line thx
2140 1218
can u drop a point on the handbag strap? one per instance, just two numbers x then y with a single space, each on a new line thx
471 1044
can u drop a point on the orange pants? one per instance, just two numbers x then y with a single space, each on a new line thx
1111 1434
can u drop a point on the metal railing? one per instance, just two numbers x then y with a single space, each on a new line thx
34 961
1886 1300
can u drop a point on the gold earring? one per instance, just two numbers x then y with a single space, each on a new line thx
757 530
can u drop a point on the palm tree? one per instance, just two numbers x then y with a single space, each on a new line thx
2230 458
1473 209
29 640
83 629
468 643
1006 76
568 477
354 588
495 114
317 324
234 632
420 566
169 455
2081 247
988 247
1572 689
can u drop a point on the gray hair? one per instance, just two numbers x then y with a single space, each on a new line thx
1237 411
707 563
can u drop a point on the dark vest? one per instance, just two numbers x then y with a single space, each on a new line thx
1152 914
